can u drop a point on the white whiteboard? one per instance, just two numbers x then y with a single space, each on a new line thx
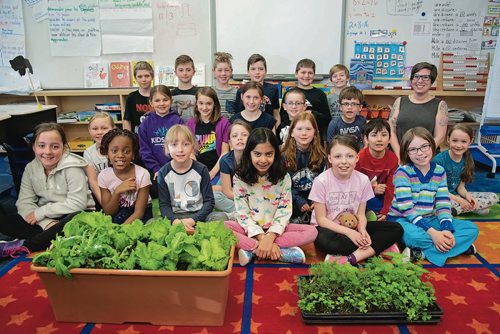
491 107
283 31
180 27
408 21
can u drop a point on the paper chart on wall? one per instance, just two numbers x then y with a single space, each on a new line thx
456 27
74 28
127 26
12 33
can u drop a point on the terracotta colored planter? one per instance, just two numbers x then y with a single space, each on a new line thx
194 298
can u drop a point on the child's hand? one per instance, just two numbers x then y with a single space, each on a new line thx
471 200
366 240
443 240
379 188
464 204
187 222
127 185
266 249
306 207
30 218
381 217
356 237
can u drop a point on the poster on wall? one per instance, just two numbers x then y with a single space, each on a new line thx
389 60
74 28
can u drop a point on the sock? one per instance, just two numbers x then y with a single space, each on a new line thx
352 259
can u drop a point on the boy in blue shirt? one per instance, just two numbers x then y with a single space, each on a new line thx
350 122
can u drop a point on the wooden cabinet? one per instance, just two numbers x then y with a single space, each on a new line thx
83 100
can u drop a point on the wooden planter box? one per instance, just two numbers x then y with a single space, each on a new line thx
436 313
194 298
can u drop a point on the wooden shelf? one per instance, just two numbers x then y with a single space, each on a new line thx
403 92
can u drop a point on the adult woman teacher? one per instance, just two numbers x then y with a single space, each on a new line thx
419 108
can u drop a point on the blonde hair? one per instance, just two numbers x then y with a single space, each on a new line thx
102 115
143 65
222 57
178 131
337 68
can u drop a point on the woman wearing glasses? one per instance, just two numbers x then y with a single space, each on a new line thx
419 108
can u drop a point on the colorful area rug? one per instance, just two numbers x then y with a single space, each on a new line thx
263 299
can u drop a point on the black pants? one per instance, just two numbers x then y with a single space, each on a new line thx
35 238
383 235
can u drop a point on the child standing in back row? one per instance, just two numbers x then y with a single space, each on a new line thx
459 166
125 185
422 205
223 70
339 76
184 96
257 70
315 97
137 104
263 200
99 125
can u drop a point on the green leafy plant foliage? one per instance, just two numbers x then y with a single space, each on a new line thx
91 240
379 286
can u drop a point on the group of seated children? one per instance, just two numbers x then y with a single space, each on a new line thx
265 173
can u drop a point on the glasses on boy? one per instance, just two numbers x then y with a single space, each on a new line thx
350 104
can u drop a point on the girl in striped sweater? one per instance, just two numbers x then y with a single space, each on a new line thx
422 204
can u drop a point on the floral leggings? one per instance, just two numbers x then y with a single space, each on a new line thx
484 202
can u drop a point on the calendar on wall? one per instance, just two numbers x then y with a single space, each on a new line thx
389 59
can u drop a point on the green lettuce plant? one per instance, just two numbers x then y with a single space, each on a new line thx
379 286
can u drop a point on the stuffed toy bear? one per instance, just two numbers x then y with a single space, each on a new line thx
348 219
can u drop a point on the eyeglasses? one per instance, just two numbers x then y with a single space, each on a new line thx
423 148
417 77
350 104
294 104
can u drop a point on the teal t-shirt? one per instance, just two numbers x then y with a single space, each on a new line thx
453 170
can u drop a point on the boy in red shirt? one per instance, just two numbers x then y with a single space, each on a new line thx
379 164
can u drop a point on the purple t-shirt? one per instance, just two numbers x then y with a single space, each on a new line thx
340 195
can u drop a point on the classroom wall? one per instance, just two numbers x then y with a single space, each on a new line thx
316 29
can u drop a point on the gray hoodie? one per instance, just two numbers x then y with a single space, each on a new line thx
63 191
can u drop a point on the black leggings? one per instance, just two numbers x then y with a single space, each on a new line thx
383 235
35 238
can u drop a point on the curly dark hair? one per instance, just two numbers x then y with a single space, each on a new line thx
246 170
108 137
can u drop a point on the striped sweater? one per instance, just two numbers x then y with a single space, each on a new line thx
417 196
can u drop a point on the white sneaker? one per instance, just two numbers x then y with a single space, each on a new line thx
293 255
245 257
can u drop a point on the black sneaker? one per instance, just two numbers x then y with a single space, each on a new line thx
470 251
